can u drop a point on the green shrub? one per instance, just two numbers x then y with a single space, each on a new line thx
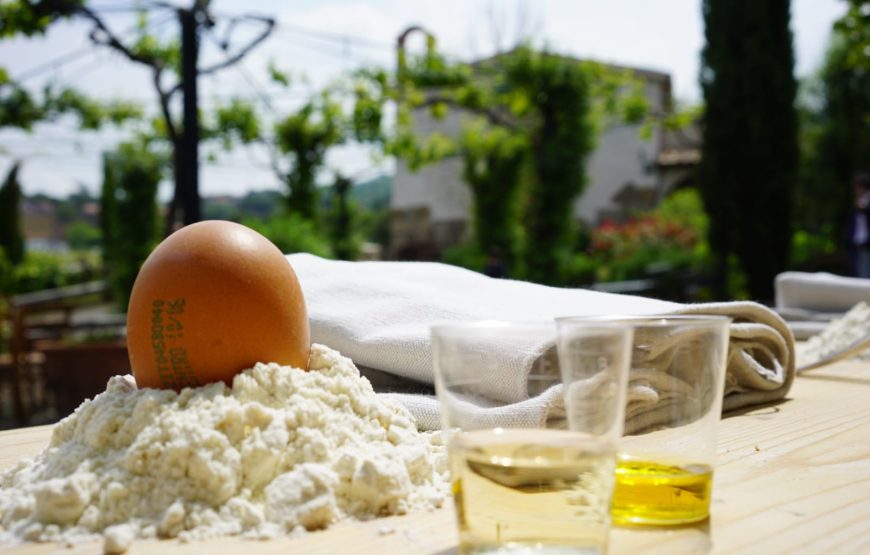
46 270
374 226
41 270
628 251
806 246
466 256
82 235
685 208
670 238
293 233
581 269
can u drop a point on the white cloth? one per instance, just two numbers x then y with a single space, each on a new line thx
380 313
819 292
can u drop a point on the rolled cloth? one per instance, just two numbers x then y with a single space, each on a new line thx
380 313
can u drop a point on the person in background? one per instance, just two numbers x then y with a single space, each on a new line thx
860 226
496 266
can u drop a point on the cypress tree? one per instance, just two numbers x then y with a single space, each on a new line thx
750 154
109 212
11 240
130 218
837 143
342 216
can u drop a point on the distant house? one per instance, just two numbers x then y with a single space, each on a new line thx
40 226
430 208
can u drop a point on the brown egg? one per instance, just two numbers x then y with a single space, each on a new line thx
211 300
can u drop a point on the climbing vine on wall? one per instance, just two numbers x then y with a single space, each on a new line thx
532 122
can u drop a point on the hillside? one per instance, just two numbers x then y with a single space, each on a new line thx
47 220
373 194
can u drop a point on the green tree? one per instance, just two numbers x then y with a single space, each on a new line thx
298 142
262 204
304 137
492 159
835 136
23 109
11 239
342 236
854 28
750 155
129 216
561 135
161 58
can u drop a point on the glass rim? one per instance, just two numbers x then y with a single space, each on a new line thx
647 320
492 325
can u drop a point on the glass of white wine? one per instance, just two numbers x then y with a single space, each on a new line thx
532 433
664 471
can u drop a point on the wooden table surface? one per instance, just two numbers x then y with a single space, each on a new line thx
791 478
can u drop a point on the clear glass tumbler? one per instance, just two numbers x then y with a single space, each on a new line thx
522 483
664 473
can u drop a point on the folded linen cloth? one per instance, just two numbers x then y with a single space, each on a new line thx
819 292
380 313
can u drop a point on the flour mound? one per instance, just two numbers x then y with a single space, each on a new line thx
281 451
838 335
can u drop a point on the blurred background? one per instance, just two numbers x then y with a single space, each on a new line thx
682 149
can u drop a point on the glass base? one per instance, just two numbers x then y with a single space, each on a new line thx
641 521
657 493
530 549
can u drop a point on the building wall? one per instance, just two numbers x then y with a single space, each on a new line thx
437 186
429 207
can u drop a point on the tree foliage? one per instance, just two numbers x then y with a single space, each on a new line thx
161 57
33 17
750 154
835 136
342 236
292 233
854 28
11 238
22 108
305 136
129 216
493 159
82 235
561 134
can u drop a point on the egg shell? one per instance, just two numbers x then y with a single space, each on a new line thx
211 300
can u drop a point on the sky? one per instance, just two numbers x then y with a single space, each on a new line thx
318 40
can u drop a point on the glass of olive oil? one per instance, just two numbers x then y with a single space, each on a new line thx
664 470
532 440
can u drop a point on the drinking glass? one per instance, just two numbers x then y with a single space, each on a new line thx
521 481
664 472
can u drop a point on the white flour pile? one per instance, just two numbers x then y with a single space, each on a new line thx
838 335
281 451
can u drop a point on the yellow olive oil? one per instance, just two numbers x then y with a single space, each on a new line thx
661 493
531 491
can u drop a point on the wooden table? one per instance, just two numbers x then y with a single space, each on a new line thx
791 478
